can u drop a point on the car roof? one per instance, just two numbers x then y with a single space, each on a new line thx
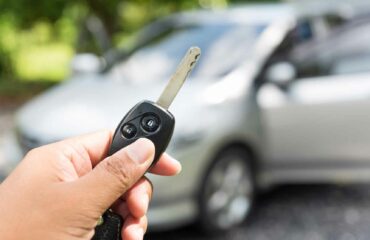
237 14
242 14
245 14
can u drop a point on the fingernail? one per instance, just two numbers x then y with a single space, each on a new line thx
139 233
176 162
140 150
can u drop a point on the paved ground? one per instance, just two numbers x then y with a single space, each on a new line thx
318 212
300 213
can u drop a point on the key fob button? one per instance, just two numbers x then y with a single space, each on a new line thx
150 123
129 131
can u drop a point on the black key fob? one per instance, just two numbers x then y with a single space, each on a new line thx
146 120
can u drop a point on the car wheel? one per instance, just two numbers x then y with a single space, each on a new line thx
227 191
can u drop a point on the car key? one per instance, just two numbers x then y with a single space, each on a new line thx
150 120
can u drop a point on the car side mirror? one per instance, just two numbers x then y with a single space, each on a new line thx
86 63
281 74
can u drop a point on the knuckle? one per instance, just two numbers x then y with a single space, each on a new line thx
35 152
117 168
31 153
49 149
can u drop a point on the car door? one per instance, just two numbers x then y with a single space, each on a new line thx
323 116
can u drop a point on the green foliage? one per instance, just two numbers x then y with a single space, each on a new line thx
36 46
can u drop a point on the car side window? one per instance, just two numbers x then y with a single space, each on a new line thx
299 42
345 52
353 52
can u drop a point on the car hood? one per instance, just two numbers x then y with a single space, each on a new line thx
92 103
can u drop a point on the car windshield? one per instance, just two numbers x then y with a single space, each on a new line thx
223 47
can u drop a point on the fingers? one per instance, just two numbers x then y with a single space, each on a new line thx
138 197
97 144
166 166
116 174
134 228
136 200
120 207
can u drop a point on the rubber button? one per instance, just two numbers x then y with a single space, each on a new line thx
150 123
129 131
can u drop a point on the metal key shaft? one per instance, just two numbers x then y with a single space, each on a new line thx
178 78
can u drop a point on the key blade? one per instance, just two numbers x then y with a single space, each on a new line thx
177 80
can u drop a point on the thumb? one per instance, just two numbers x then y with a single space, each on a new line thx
116 174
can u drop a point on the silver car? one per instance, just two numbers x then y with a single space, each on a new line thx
278 97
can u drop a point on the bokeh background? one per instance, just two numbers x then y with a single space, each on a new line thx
38 41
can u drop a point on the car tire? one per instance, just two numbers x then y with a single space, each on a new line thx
227 191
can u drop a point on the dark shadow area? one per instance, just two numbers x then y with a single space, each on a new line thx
308 212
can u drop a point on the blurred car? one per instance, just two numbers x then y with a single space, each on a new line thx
277 97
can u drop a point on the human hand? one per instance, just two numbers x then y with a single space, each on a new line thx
60 190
